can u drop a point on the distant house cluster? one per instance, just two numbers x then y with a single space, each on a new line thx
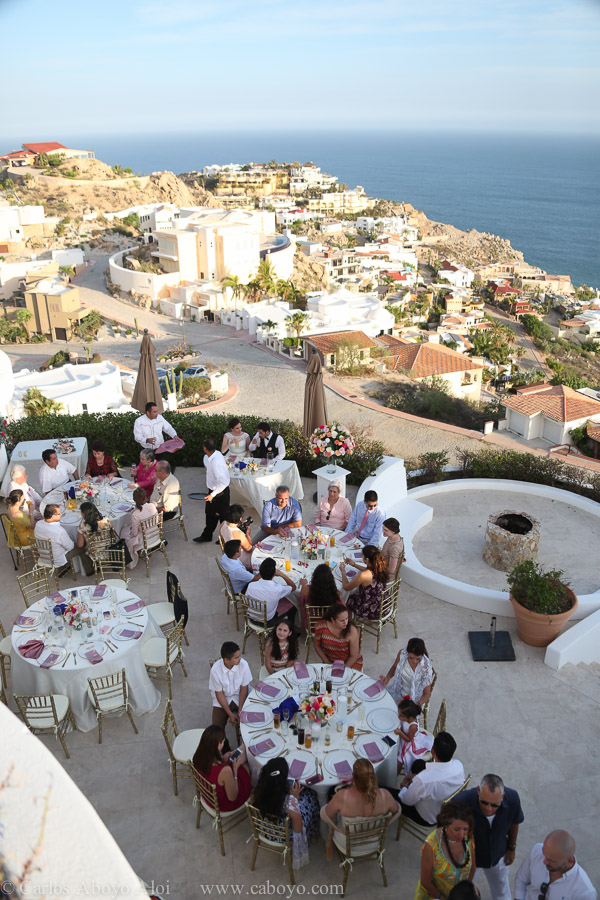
28 153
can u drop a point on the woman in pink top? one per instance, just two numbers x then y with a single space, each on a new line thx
334 510
133 533
146 472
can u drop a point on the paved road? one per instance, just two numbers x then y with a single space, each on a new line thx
532 358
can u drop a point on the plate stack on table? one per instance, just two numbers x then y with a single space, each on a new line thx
113 500
254 486
68 657
280 549
29 454
370 709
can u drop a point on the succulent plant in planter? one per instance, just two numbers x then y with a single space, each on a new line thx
542 602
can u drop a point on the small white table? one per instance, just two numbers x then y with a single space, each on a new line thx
70 676
255 489
328 474
29 454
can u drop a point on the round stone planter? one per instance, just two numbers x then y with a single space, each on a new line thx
540 629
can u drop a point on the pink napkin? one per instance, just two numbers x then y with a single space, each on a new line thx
262 546
343 768
93 656
375 689
267 689
138 604
24 620
264 462
350 573
104 629
357 554
251 718
130 633
301 670
99 592
57 598
373 752
31 649
297 768
262 747
171 445
346 538
124 508
49 660
338 668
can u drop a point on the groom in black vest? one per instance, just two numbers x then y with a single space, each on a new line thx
266 441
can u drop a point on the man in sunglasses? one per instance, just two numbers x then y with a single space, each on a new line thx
497 815
367 520
551 872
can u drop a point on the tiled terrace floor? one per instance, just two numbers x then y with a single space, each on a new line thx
535 727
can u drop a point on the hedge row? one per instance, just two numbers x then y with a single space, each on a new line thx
116 430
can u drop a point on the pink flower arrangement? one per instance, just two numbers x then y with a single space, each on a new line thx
319 708
333 440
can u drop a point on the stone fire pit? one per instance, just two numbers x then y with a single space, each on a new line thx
511 537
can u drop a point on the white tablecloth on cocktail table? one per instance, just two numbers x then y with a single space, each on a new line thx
254 490
29 454
108 501
386 769
27 677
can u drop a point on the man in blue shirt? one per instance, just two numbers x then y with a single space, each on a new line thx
497 814
280 513
239 575
367 520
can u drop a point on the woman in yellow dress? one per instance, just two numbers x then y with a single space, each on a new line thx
21 516
448 854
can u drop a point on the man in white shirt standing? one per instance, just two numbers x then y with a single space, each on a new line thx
228 683
421 795
63 548
148 432
55 472
167 493
266 441
551 870
217 484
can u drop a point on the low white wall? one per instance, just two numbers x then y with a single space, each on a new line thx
579 644
140 282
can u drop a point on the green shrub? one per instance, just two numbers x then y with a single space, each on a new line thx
59 359
193 386
116 430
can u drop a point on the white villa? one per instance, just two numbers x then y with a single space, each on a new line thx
458 275
95 387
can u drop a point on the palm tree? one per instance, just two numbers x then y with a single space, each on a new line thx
266 276
66 271
35 404
297 323
269 325
252 290
233 282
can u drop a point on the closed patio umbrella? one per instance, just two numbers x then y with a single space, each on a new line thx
147 387
315 407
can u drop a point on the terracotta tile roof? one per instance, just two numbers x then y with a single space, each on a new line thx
594 433
389 340
425 360
556 401
329 343
18 154
48 147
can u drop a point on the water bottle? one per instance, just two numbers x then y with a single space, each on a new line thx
295 550
133 471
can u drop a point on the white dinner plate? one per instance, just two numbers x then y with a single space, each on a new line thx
100 647
50 651
363 739
382 720
282 691
302 682
363 685
131 601
337 756
276 750
28 620
71 517
342 679
302 756
28 636
123 632
268 714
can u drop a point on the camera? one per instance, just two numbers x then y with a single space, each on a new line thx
246 523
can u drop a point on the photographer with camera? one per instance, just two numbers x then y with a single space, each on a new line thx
235 528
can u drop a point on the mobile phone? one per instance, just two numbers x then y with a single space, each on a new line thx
106 614
235 754
291 782
314 779
389 741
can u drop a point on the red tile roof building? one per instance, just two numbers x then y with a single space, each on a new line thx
556 401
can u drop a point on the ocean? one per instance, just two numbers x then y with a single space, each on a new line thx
542 192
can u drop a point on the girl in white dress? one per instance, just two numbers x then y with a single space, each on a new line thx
413 744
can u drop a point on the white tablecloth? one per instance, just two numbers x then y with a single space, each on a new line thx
29 454
385 769
71 679
254 490
108 501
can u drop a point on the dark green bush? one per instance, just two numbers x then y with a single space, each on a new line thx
116 430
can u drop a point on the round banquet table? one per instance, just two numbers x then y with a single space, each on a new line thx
69 676
255 489
279 549
373 718
116 503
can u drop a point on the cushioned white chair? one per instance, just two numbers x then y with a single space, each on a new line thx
206 800
181 745
153 540
47 713
110 563
363 841
167 612
176 523
160 654
44 559
273 835
233 599
255 622
109 696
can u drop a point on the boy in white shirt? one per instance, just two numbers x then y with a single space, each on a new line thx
228 683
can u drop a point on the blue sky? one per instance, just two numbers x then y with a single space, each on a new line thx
137 66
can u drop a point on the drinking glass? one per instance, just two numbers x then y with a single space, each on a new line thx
332 540
350 732
301 736
288 565
307 740
276 720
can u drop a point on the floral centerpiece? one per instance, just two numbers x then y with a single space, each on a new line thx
252 465
73 612
319 708
331 441
64 446
88 490
310 544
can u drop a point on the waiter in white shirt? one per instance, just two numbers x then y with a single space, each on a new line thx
217 483
148 432
266 441
55 472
